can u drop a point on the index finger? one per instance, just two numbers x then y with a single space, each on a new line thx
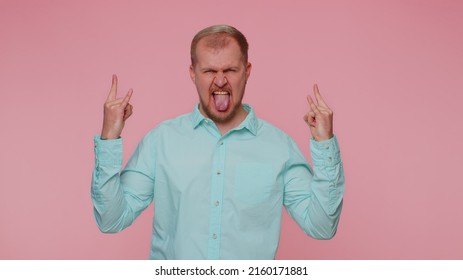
113 90
318 96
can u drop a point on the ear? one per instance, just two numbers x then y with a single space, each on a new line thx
248 70
192 73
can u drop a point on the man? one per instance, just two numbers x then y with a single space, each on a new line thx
219 176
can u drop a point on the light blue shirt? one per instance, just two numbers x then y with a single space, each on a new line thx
218 197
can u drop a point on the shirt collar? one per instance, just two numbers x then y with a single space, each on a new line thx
250 122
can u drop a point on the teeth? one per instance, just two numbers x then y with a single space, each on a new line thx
220 92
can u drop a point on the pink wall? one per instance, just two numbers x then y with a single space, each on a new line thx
391 70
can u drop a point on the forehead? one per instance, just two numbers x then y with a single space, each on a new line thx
216 41
223 51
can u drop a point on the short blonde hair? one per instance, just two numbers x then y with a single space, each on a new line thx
218 37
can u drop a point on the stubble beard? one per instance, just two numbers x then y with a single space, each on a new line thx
219 119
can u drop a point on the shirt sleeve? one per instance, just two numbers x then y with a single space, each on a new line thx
313 197
119 197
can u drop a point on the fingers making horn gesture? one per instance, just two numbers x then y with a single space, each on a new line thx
320 117
116 112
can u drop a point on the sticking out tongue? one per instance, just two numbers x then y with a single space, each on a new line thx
222 102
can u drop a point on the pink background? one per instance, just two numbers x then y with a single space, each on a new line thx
391 71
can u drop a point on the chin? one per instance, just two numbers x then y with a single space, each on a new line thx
221 117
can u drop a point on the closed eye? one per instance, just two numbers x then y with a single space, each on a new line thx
209 71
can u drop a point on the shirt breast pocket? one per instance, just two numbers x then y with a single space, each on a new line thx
253 182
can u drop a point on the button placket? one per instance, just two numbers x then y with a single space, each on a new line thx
217 186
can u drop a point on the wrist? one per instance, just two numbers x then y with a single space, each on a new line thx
323 138
109 136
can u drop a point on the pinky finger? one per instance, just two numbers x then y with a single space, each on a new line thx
128 111
126 98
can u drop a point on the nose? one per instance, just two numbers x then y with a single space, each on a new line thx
220 79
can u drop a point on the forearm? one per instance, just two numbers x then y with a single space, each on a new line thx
324 209
314 198
318 211
111 209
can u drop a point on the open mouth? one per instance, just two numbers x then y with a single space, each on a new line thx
221 100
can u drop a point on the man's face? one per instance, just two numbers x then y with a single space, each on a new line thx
220 76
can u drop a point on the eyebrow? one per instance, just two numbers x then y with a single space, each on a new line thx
214 69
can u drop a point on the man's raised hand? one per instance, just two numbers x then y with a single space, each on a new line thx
116 112
320 117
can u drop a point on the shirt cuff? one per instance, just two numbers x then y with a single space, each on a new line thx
108 152
325 153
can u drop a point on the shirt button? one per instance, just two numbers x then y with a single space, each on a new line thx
327 146
214 236
220 143
216 203
329 158
218 172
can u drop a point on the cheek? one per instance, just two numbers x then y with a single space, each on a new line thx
203 89
203 83
239 83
